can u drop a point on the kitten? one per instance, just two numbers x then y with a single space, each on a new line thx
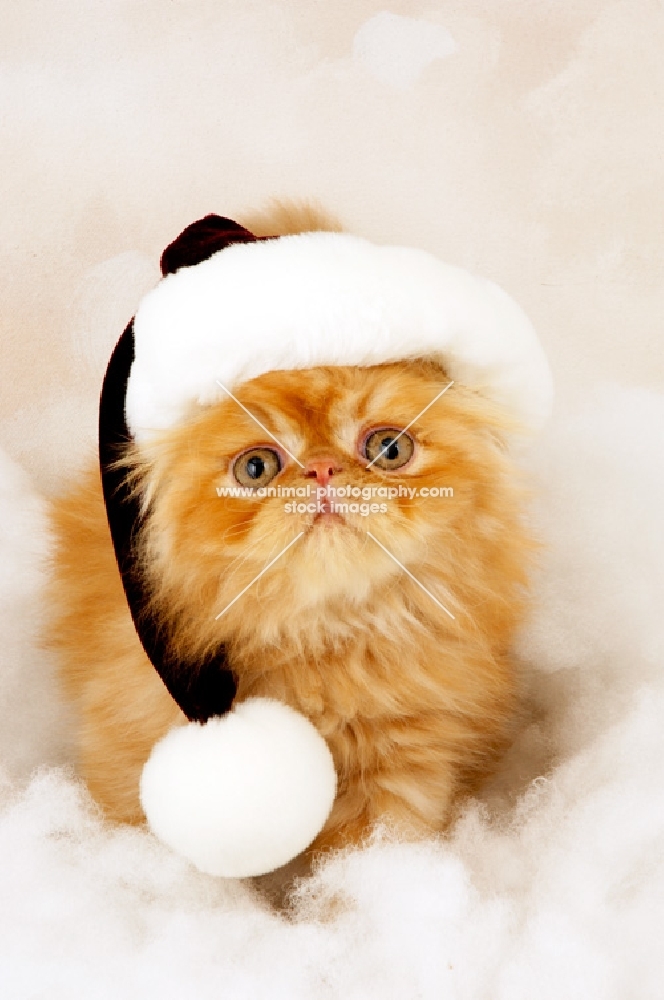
408 679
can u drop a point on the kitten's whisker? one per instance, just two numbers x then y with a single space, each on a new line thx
240 560
236 564
256 578
408 426
262 426
229 578
438 556
238 529
413 578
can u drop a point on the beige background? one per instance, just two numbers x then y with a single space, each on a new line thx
520 138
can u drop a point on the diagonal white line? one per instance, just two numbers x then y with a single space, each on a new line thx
392 440
262 426
413 578
264 570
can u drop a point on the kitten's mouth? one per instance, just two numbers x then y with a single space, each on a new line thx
327 520
326 513
328 517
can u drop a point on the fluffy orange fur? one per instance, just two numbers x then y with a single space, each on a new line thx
286 218
415 705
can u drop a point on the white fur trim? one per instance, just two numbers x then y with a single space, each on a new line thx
326 299
243 794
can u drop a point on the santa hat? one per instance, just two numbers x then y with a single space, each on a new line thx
241 791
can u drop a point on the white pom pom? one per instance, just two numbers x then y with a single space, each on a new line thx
243 794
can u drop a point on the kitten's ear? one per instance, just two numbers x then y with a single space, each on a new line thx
202 239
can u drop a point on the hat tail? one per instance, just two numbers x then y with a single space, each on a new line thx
201 689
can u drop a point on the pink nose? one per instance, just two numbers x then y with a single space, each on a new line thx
321 469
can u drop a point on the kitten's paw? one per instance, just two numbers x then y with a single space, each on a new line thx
243 794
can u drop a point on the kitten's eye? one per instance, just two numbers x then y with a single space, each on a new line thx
257 467
388 448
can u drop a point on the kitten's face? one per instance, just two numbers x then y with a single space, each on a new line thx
324 427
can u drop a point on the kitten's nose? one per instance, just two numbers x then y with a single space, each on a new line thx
321 469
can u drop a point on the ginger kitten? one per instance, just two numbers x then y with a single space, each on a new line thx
409 680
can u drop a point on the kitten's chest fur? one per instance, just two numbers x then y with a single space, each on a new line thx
399 697
338 664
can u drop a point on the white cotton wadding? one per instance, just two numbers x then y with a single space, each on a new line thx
547 889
